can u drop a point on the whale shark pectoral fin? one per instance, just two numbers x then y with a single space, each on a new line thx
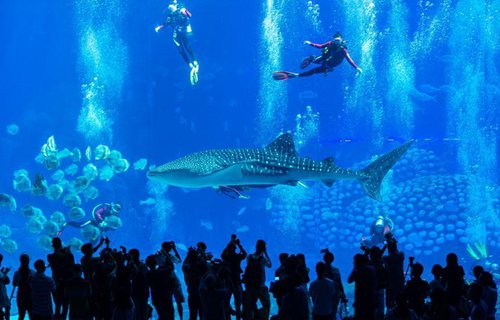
283 144
329 183
233 192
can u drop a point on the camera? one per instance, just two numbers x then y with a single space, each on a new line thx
324 250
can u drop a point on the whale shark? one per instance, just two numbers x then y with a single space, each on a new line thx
235 170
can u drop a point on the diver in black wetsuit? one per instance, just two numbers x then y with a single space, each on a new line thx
178 19
99 215
333 53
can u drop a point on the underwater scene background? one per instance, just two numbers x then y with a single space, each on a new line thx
94 75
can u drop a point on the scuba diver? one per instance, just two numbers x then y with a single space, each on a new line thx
333 53
380 230
99 215
178 19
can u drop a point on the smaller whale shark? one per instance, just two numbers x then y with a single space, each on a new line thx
234 170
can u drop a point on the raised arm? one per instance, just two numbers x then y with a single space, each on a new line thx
349 59
318 45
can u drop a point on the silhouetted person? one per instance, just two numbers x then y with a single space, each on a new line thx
280 274
214 300
453 279
394 264
88 261
161 289
79 295
21 281
489 293
61 263
402 310
194 267
102 285
255 282
479 309
4 297
124 308
477 271
437 282
365 290
382 281
323 295
417 290
140 290
333 273
43 290
295 305
167 260
232 261
439 309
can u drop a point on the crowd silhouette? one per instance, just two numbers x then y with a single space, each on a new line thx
117 284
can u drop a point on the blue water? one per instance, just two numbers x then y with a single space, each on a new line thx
94 72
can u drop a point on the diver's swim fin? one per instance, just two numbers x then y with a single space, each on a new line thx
284 75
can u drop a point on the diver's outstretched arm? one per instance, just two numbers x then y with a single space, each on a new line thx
318 45
351 62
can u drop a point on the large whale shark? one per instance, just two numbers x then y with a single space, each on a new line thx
277 163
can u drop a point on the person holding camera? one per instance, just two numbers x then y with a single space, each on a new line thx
194 267
365 290
61 263
166 260
254 278
232 261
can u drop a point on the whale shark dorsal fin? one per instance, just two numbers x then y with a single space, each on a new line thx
283 144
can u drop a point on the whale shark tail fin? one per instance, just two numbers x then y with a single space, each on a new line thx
371 177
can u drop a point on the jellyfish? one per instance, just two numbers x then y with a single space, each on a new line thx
51 228
114 156
90 171
58 175
121 165
80 184
112 222
45 242
6 200
51 162
30 211
59 218
72 200
22 182
76 214
64 153
71 170
106 173
36 224
90 232
91 193
5 231
9 245
76 155
140 164
12 129
101 152
75 244
54 192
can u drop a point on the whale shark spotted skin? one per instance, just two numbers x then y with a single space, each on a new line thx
277 163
